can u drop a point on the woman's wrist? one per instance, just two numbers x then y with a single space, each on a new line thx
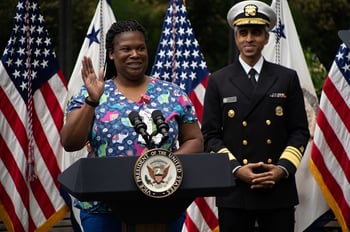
91 103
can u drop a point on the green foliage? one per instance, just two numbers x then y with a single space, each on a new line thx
317 71
317 22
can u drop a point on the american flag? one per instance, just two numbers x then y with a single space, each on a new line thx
32 92
180 60
330 155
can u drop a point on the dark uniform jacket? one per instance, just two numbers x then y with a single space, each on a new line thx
268 124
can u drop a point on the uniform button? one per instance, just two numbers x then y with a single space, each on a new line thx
244 123
245 161
269 141
268 122
245 142
231 113
269 161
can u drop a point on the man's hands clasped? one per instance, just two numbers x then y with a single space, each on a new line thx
266 179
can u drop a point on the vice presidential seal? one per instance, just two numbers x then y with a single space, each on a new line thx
158 173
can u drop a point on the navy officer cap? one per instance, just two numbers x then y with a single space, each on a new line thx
251 13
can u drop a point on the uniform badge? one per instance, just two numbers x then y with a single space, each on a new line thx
229 99
279 111
250 10
158 173
231 113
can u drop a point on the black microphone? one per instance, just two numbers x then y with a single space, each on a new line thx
162 126
139 126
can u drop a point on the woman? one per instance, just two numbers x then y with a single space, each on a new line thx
99 113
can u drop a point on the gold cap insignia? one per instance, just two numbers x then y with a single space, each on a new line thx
250 10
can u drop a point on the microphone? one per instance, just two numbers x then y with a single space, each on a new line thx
162 126
139 126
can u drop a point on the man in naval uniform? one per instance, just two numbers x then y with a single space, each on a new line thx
258 118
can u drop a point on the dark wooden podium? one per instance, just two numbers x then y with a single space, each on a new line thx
111 179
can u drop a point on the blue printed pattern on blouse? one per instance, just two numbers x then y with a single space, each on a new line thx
113 134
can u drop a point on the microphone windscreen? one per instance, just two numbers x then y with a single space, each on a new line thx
156 114
133 116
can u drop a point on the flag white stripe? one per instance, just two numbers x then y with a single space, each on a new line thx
331 162
341 85
197 218
342 134
12 192
56 85
200 92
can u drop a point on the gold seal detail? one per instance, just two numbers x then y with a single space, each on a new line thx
158 173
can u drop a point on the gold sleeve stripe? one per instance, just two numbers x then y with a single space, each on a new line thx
293 155
230 155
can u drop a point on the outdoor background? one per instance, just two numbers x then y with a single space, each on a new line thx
317 23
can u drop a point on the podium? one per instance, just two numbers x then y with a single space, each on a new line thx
111 180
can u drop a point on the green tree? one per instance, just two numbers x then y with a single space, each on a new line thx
317 23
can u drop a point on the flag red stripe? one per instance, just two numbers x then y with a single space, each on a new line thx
14 121
337 151
333 142
331 137
53 104
196 100
42 198
204 82
7 157
197 105
6 200
330 182
47 154
207 213
337 101
9 161
190 225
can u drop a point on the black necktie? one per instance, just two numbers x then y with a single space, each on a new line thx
251 74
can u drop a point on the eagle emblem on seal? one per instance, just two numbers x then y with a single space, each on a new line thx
158 174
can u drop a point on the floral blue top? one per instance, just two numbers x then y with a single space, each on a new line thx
113 134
